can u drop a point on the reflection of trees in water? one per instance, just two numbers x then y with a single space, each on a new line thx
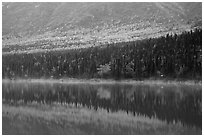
146 101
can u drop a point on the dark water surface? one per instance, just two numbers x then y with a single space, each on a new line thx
172 103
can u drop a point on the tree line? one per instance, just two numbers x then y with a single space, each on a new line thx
170 56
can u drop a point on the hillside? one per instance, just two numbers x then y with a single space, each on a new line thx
40 26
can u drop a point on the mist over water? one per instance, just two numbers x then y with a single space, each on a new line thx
171 103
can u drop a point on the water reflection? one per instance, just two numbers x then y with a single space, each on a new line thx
171 103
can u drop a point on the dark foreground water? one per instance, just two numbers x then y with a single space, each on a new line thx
171 102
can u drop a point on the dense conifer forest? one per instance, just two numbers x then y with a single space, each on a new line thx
171 56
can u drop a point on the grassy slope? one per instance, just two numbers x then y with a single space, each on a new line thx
57 119
108 23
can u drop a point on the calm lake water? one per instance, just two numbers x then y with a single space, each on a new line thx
171 103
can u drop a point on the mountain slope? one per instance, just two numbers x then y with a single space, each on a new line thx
89 22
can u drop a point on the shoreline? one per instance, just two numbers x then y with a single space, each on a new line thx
105 81
39 119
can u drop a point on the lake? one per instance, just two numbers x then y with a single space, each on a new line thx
169 103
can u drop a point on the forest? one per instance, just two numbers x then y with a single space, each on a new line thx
174 56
